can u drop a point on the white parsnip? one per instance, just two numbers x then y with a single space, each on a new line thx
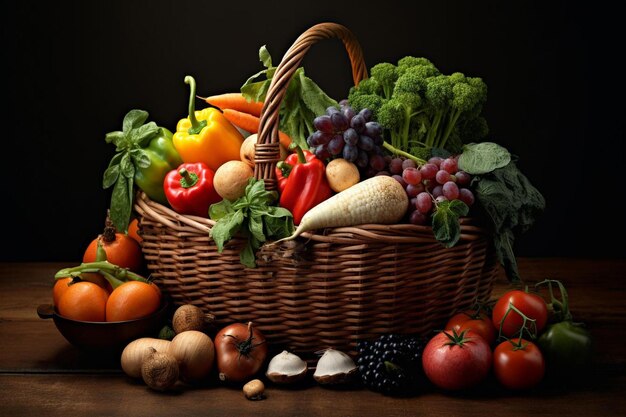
379 199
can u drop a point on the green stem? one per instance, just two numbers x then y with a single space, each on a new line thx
406 127
100 267
562 304
112 280
196 125
101 254
301 157
188 179
397 151
453 119
285 168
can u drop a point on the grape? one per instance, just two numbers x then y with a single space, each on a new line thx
378 162
400 180
321 138
344 102
358 123
348 112
335 146
412 203
449 165
323 124
366 143
414 190
370 172
362 159
424 202
408 163
440 199
378 141
418 218
309 141
340 122
367 114
332 110
321 152
435 160
350 152
429 171
462 178
385 173
442 176
450 190
351 137
437 191
373 129
466 196
411 175
395 166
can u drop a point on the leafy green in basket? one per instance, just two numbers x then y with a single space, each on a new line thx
253 217
303 101
446 227
512 204
484 157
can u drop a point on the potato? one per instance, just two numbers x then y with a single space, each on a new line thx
231 179
341 174
246 153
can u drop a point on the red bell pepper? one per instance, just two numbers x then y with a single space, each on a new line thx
302 183
189 189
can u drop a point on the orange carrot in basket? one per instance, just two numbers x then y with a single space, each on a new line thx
251 123
235 101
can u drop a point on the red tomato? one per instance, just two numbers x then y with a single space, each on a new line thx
518 365
455 361
470 320
241 351
532 305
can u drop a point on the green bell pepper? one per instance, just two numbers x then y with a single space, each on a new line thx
145 154
567 346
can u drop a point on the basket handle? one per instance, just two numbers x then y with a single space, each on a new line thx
267 152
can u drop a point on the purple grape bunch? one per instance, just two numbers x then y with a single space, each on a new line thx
343 133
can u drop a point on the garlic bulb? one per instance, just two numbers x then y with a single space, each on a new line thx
334 367
286 368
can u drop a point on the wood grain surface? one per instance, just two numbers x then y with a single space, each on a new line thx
43 375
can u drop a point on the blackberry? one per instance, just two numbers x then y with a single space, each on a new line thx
391 363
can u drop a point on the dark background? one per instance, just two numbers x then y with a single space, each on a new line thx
73 69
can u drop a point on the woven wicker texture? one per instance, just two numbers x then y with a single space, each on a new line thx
325 289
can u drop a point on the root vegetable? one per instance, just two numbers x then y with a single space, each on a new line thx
231 179
190 317
138 350
254 390
378 199
159 370
341 174
195 354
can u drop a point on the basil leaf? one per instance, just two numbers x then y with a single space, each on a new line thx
247 255
141 158
484 157
134 119
255 226
116 137
226 228
110 176
143 134
219 210
446 227
121 203
126 166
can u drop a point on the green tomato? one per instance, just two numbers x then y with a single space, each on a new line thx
566 346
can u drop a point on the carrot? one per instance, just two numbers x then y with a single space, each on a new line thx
235 101
379 199
251 123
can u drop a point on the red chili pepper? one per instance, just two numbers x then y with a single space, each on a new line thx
302 183
189 189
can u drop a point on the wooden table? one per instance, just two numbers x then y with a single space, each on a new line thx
42 375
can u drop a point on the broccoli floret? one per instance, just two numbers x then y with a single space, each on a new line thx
415 79
411 61
370 101
368 86
457 77
386 75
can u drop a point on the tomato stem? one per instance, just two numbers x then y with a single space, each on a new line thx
100 267
555 303
532 331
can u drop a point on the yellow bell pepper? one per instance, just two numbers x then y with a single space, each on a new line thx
206 136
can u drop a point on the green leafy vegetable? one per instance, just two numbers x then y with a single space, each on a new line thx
481 158
253 217
303 101
446 227
512 205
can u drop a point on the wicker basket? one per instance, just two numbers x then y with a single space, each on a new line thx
325 289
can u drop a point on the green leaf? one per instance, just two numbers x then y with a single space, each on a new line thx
255 91
484 157
141 158
110 176
255 226
265 57
134 119
221 209
247 255
313 96
142 135
446 227
116 138
121 203
226 227
126 166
